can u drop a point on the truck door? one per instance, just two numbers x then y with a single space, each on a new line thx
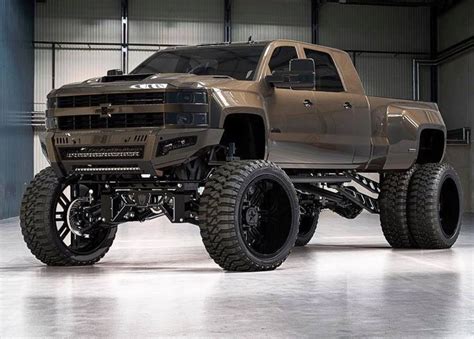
289 111
338 114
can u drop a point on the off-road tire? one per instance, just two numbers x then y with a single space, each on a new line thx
393 204
219 219
308 223
39 229
435 206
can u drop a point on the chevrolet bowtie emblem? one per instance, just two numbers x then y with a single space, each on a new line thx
105 110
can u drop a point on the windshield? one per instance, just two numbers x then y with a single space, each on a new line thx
238 61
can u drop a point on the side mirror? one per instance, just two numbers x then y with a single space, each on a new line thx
112 72
301 75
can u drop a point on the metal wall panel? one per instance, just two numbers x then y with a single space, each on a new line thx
456 25
80 65
16 101
379 28
275 19
78 21
43 78
385 75
375 27
456 88
176 22
456 91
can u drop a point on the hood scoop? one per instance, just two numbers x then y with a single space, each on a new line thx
126 77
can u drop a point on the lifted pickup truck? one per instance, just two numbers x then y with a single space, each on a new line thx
249 141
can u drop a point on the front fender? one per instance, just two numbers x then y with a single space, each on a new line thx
227 102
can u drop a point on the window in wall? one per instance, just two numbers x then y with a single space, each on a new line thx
280 60
327 76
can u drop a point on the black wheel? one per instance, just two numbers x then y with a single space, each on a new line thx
435 206
308 224
393 203
249 216
59 222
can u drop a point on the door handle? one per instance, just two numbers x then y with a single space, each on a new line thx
275 130
307 103
347 105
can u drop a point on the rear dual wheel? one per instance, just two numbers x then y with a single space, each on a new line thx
435 206
421 208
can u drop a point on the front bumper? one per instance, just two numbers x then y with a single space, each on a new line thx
137 150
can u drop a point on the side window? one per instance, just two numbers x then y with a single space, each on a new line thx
281 57
327 77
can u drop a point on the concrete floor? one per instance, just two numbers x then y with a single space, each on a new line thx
158 281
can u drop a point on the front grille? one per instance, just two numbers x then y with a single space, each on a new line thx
123 120
150 98
105 152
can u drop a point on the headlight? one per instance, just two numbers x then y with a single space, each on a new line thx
186 119
51 123
52 103
186 97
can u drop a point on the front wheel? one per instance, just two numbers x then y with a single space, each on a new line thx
249 216
60 222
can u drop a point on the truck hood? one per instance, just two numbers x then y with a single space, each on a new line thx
144 82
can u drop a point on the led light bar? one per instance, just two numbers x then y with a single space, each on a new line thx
107 169
88 155
82 153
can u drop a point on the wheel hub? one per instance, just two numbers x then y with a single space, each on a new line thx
78 219
252 215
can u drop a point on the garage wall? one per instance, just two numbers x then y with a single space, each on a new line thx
74 21
181 22
16 102
79 21
192 22
382 28
176 22
271 19
456 88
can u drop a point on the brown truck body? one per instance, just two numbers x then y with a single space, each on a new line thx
302 128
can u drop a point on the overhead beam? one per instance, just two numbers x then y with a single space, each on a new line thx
227 20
